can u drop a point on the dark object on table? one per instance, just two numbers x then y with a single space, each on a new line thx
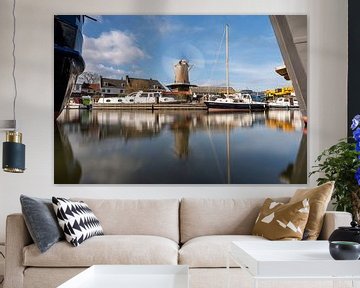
351 233
344 250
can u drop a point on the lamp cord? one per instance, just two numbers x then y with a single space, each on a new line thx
14 61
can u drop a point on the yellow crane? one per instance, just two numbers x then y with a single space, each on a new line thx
279 92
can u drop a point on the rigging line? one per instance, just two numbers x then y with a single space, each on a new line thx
14 60
217 56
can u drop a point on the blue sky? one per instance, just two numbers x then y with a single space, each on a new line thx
149 47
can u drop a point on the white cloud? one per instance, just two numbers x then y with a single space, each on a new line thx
253 69
164 25
105 71
112 48
256 76
253 41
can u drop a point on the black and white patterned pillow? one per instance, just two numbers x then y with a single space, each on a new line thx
77 220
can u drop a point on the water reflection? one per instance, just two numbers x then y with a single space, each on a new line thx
145 147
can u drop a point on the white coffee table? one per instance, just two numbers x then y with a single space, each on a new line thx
293 260
131 276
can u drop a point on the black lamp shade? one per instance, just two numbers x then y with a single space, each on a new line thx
13 157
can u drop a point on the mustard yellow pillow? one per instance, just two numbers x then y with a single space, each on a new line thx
319 198
279 221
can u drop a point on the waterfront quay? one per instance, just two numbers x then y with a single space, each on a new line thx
150 106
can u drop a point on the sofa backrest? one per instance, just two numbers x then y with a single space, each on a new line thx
200 217
159 217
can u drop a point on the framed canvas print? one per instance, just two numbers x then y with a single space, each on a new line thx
180 99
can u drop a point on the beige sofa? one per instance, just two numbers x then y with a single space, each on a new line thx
194 232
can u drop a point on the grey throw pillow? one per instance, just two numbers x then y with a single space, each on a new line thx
41 221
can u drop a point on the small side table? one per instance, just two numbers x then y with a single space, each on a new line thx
284 262
131 276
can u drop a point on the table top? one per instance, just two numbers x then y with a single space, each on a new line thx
291 259
131 276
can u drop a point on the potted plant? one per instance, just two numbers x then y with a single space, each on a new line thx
341 163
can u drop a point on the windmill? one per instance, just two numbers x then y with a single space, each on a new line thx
181 82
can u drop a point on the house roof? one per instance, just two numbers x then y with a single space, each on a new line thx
130 81
117 83
93 86
150 82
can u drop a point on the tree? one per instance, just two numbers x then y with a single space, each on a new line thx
89 77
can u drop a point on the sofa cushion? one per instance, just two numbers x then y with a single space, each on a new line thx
41 221
77 220
211 251
279 221
107 249
158 217
319 198
201 217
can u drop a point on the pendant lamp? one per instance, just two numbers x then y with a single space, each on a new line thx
13 149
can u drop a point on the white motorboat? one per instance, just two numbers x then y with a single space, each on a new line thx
72 104
284 103
139 97
235 102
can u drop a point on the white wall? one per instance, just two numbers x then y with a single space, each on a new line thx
34 39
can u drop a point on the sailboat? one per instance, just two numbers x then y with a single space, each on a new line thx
237 101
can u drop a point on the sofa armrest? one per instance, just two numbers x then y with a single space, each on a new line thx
333 220
17 237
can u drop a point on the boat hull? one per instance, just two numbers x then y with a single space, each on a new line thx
219 106
68 62
274 106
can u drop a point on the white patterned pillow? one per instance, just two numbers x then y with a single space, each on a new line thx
77 220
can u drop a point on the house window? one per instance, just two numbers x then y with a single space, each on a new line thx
108 90
102 90
122 84
106 84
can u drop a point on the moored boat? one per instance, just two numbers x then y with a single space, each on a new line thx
284 103
240 101
71 104
84 103
236 102
68 62
140 97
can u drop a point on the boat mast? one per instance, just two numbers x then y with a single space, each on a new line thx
227 58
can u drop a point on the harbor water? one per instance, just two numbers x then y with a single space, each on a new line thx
180 147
